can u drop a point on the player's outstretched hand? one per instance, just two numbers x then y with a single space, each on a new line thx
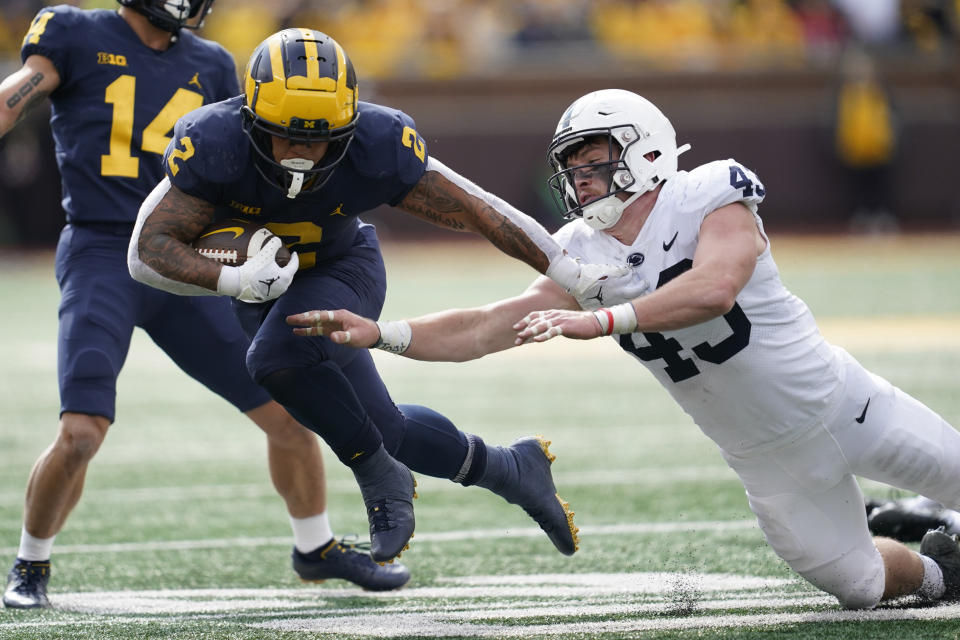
604 284
540 326
341 326
594 285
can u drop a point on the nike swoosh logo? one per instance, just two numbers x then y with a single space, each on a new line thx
236 231
863 416
667 245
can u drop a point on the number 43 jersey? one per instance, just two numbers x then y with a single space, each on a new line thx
753 379
116 105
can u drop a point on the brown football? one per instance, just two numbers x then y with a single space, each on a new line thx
233 241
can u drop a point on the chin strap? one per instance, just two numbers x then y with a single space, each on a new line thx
297 166
607 212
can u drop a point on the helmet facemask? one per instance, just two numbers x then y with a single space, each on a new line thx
603 211
295 175
172 15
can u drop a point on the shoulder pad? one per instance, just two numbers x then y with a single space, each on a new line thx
52 33
208 147
386 142
719 183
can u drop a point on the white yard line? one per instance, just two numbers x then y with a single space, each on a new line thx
437 537
477 606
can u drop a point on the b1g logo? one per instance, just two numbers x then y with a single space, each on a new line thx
115 59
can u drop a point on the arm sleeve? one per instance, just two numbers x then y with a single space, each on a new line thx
722 182
533 229
139 270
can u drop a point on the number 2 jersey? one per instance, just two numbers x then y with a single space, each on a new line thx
759 376
117 103
212 158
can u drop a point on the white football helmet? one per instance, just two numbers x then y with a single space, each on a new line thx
633 128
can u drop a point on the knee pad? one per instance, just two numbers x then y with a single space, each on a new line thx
856 579
322 400
281 384
90 365
297 386
88 384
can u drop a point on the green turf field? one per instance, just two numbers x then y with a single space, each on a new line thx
180 535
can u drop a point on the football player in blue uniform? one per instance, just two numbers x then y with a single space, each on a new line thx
298 152
118 81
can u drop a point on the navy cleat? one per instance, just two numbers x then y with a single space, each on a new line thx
388 490
945 552
349 561
27 585
520 474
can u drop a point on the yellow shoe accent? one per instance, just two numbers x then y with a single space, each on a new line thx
574 529
545 446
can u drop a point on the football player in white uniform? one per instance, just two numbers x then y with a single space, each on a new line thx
795 417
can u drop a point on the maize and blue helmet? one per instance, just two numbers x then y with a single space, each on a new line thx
299 85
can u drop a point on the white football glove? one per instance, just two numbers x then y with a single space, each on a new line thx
260 278
596 285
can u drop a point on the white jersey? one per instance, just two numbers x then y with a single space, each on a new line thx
753 379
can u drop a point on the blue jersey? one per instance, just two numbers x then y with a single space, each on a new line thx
210 157
117 103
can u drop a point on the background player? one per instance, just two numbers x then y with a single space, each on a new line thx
793 416
118 81
909 518
301 151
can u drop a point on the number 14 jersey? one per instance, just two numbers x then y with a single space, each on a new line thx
116 105
753 379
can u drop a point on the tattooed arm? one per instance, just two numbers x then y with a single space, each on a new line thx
160 254
24 89
446 199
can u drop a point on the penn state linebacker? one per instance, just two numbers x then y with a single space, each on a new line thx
795 417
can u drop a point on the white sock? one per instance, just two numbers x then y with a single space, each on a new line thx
310 533
34 549
932 586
